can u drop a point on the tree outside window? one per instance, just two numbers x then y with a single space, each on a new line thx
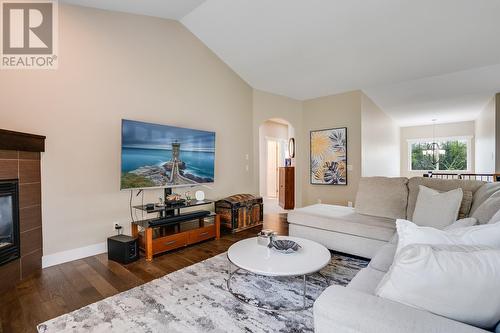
443 154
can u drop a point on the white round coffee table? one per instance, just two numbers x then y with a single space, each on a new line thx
258 259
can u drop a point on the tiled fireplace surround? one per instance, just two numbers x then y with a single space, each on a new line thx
20 159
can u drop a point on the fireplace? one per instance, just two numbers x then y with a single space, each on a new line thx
9 221
20 206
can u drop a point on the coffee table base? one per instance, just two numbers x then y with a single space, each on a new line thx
305 306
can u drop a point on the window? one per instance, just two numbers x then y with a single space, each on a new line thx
444 154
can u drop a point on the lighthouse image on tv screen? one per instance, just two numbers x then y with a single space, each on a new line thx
156 155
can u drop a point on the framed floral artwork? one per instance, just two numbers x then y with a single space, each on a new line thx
329 156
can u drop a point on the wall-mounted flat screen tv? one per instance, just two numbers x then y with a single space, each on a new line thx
155 155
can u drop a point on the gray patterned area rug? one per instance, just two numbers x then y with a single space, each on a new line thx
196 299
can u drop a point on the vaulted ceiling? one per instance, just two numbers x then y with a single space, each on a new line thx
171 9
418 60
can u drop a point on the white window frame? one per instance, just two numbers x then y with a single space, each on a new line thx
467 138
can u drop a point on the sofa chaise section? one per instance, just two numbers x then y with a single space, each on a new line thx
341 229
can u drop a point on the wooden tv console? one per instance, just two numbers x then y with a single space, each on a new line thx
156 239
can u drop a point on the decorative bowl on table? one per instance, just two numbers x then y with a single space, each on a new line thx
285 246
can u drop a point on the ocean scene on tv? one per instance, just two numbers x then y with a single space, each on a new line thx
156 155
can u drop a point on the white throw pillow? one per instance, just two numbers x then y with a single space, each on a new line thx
463 223
436 209
495 218
479 235
461 283
488 208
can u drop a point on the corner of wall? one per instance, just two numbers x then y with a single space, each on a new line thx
380 140
487 136
497 132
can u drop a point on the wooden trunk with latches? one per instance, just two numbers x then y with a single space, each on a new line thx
240 211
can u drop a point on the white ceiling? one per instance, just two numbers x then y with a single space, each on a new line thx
400 52
455 97
172 9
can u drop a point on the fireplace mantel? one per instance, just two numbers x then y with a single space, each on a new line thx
20 155
10 140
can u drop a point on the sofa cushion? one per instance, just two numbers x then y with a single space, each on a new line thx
471 273
382 196
384 258
466 204
394 239
436 209
483 193
443 185
345 310
366 280
485 212
343 220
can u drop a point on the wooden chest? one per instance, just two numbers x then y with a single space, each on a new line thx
240 211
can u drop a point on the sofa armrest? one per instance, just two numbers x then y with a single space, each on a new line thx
341 309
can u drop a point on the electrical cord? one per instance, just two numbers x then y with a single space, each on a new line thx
130 205
142 204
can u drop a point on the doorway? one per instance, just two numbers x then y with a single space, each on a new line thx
275 158
273 150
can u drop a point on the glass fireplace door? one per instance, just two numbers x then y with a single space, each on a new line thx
9 221
6 221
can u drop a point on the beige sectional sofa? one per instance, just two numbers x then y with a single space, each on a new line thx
356 308
379 202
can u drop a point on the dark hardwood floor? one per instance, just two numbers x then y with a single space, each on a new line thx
63 288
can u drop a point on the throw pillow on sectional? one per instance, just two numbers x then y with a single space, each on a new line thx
436 209
483 193
479 235
471 300
495 218
487 209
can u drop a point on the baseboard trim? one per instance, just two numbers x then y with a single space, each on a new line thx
74 254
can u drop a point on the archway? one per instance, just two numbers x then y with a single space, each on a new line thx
274 134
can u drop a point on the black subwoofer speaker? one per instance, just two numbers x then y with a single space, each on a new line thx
123 249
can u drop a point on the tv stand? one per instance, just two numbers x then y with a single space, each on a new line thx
174 229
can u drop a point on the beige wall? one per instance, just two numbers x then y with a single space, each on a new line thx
427 132
273 130
343 110
485 139
115 66
380 149
497 133
270 106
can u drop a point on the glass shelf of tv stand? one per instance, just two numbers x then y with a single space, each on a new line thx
175 207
